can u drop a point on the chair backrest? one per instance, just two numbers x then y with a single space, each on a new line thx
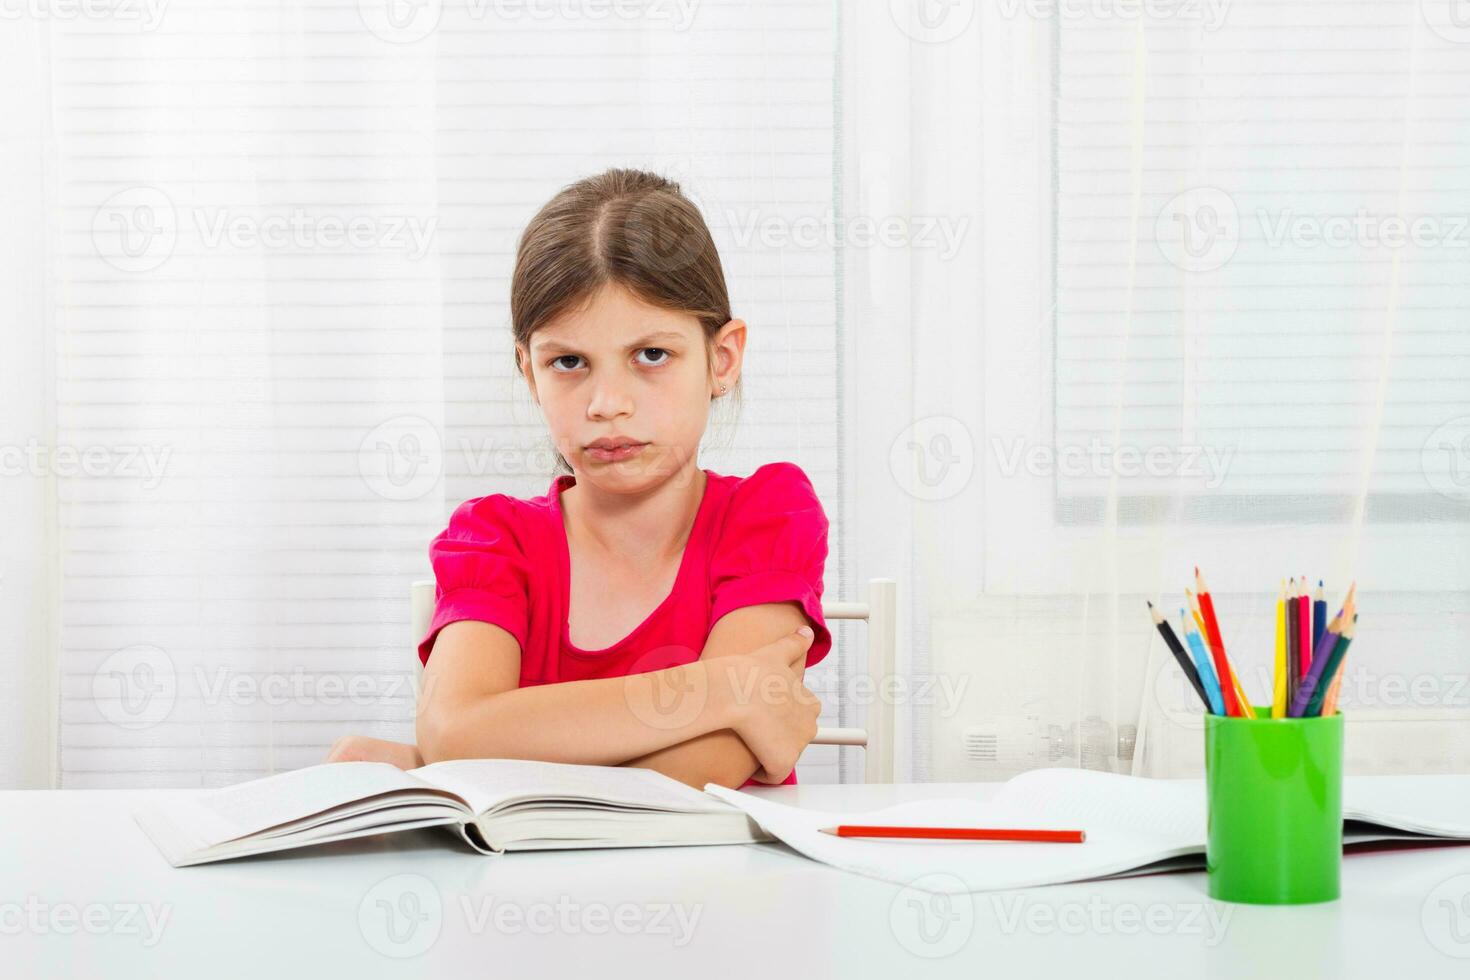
880 612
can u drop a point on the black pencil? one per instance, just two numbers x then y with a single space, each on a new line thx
1177 648
1293 643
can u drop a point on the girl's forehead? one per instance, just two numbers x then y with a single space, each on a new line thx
615 322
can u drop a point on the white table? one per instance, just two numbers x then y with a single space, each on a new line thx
75 858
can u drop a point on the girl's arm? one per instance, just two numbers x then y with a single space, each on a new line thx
722 756
471 707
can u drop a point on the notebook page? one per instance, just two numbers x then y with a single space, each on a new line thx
960 866
1173 810
1438 805
487 784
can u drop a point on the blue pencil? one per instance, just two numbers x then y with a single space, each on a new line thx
1202 664
1319 618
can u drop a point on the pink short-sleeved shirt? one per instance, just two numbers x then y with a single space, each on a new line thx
755 539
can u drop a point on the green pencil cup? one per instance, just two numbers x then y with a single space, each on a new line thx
1273 790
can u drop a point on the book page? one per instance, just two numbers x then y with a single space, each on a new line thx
488 784
247 808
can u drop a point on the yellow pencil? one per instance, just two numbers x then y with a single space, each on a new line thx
1194 611
1278 688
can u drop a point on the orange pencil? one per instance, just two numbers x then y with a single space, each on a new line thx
1350 614
957 833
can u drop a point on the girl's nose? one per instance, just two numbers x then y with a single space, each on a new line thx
609 401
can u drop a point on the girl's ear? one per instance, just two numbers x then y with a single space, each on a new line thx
523 358
727 354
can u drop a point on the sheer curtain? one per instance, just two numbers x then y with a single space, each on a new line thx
278 243
1053 302
1208 307
28 566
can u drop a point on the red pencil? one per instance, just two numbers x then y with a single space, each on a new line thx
1216 642
1304 623
957 833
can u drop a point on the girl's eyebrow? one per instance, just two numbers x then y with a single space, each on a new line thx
645 341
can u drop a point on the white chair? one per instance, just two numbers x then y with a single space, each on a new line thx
879 610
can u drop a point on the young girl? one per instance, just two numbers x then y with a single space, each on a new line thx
643 611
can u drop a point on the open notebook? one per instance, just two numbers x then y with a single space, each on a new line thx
496 805
1134 826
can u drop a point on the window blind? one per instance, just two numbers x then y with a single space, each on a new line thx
283 245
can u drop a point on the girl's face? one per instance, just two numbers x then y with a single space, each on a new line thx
620 371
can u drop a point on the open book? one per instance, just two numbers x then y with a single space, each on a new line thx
1134 826
496 805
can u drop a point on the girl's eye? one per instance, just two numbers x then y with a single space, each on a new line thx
568 362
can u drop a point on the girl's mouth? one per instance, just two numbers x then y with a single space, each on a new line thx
616 455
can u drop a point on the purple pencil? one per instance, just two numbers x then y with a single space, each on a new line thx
1320 656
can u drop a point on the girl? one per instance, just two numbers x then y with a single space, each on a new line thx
644 611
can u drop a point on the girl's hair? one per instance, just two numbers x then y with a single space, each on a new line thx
627 227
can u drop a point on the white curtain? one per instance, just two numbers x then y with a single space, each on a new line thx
28 547
1209 306
1053 302
281 242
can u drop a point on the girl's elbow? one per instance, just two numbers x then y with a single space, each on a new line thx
437 738
730 773
428 736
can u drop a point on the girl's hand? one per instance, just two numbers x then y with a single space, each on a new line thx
360 748
775 713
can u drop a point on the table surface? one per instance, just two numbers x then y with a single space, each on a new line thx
84 893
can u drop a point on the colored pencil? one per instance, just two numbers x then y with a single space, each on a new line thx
1278 686
1319 616
1177 649
1246 710
1349 614
1216 700
958 833
1231 679
1329 703
1311 689
1199 621
1293 642
1304 623
1236 703
1332 655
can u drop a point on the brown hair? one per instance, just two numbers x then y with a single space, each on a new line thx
628 227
